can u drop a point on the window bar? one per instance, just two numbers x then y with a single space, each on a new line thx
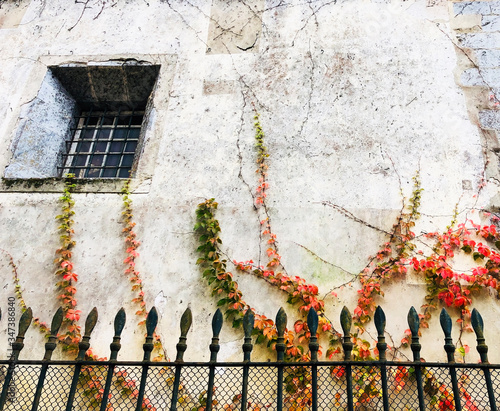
115 347
67 164
347 345
122 156
248 323
214 349
78 142
445 321
281 320
50 346
83 346
186 320
151 321
414 323
17 346
312 324
90 157
482 349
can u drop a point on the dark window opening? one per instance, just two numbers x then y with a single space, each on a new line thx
103 144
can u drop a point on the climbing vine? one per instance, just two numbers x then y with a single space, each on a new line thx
394 259
66 285
131 246
396 256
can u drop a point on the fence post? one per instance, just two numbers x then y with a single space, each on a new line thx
17 346
83 346
248 324
346 324
151 322
414 323
482 349
50 346
281 320
115 346
214 349
186 320
382 347
445 321
312 324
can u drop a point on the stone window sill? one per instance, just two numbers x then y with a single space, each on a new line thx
56 185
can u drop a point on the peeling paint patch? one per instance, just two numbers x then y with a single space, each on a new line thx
219 87
12 13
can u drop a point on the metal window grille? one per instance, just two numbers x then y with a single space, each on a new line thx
103 144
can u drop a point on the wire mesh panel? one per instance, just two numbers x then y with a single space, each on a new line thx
159 387
473 391
125 387
56 387
332 389
438 388
227 386
22 387
90 387
263 379
495 378
262 387
192 388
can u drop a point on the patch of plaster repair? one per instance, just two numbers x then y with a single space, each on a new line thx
12 13
235 27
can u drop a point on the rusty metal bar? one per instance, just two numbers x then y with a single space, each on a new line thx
346 324
17 346
115 346
214 349
248 325
186 321
445 321
482 349
382 347
281 320
414 324
151 322
83 346
50 346
312 324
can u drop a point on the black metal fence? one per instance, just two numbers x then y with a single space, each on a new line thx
247 385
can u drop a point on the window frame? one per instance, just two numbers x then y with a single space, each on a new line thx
150 138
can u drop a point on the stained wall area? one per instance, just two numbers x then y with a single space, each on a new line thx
355 98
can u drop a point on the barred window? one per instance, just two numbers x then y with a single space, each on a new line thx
103 144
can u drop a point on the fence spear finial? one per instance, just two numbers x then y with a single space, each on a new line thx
346 324
186 321
248 325
380 326
119 324
216 327
84 344
312 324
281 320
478 326
445 321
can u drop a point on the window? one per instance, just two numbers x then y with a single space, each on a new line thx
103 144
87 119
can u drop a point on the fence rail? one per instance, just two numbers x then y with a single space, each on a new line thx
315 385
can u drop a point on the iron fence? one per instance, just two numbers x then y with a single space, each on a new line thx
247 385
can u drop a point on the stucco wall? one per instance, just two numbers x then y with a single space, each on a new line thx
354 96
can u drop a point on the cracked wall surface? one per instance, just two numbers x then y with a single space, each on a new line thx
354 97
477 30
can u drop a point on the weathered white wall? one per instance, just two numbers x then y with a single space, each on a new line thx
355 97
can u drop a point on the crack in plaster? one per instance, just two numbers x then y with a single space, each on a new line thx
314 13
